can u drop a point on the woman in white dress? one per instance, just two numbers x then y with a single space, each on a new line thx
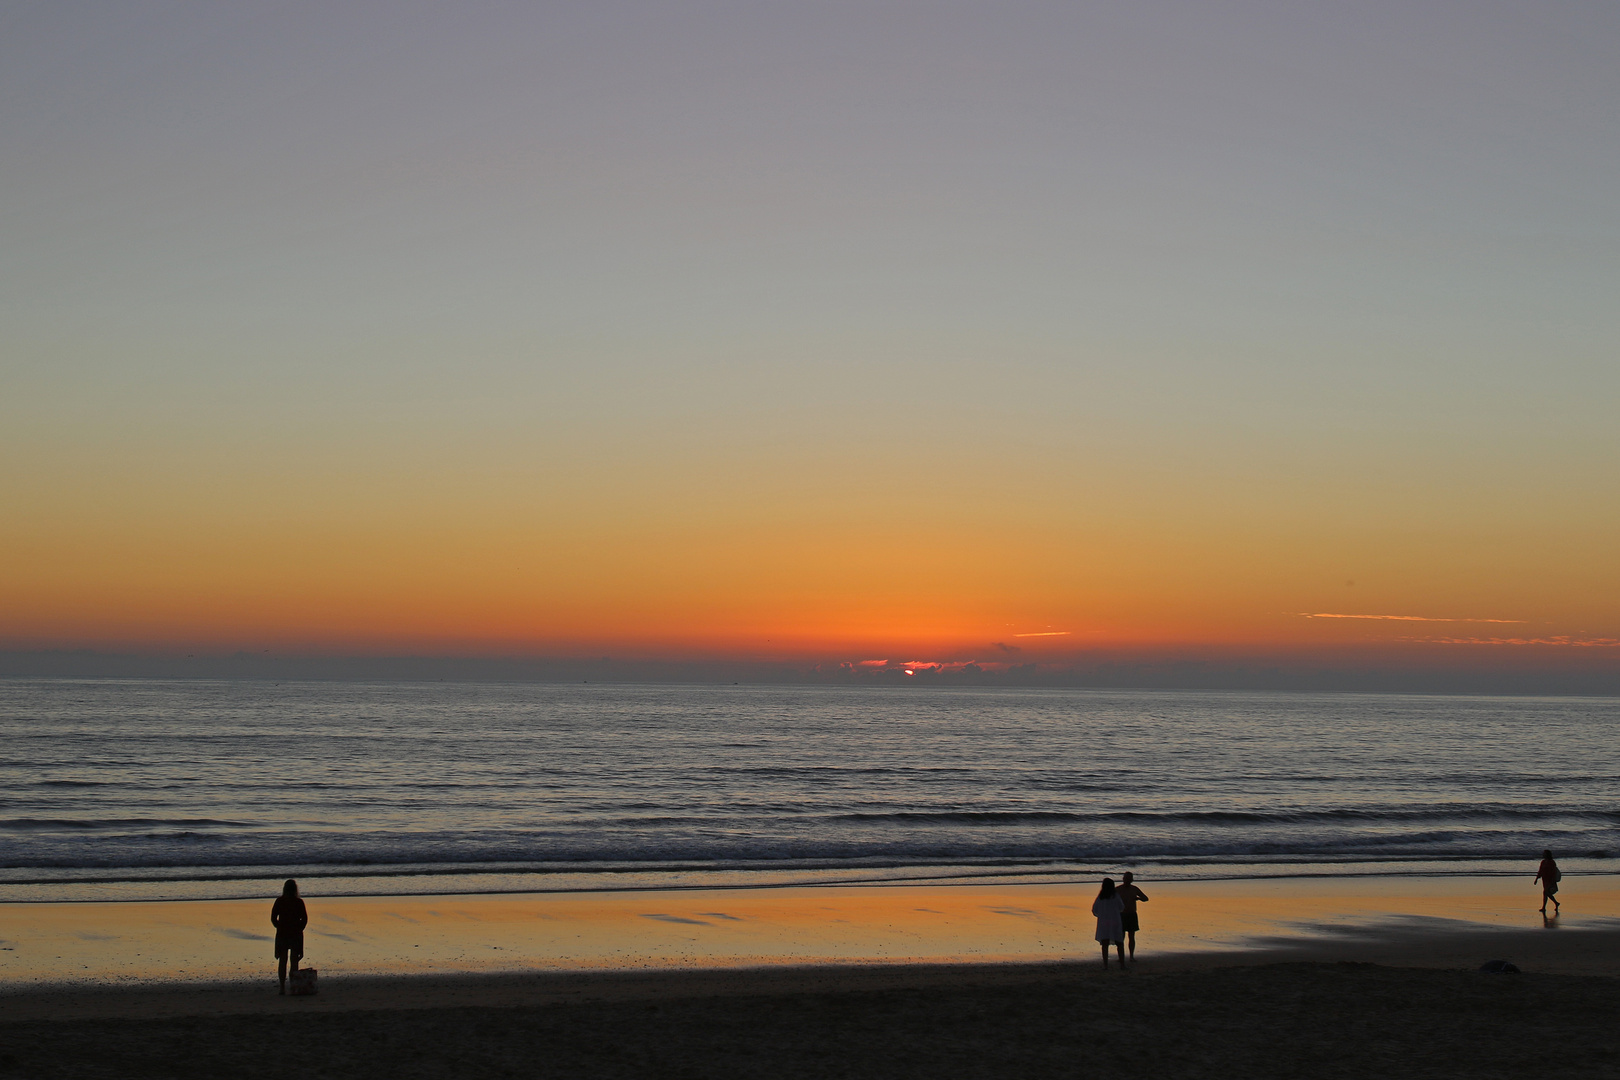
1110 929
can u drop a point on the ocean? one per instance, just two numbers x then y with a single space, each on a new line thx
146 789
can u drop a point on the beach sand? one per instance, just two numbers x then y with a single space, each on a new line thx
1299 977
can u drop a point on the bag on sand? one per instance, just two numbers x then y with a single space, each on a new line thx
302 982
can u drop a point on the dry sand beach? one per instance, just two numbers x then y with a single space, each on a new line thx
1282 1020
1329 977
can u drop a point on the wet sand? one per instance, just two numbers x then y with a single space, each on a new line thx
179 943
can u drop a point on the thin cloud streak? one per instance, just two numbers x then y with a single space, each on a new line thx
1400 618
1570 642
1047 633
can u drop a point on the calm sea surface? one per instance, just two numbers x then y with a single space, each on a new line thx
136 789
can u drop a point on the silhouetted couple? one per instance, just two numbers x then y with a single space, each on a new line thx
289 918
1115 908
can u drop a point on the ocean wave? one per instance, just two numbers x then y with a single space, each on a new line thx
32 824
1239 817
190 848
738 873
222 775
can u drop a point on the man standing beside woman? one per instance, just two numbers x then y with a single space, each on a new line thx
1129 894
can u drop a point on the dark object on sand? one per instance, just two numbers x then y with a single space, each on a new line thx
1489 967
302 982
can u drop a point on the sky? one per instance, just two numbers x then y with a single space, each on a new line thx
815 333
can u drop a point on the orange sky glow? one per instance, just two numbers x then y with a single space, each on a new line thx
799 337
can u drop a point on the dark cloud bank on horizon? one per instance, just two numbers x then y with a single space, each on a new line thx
1481 670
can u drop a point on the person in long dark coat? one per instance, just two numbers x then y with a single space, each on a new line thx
289 916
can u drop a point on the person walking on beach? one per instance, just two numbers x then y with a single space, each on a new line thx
1107 907
289 917
1129 894
1549 876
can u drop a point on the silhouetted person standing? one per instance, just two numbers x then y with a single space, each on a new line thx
1549 876
1107 907
1129 894
289 917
